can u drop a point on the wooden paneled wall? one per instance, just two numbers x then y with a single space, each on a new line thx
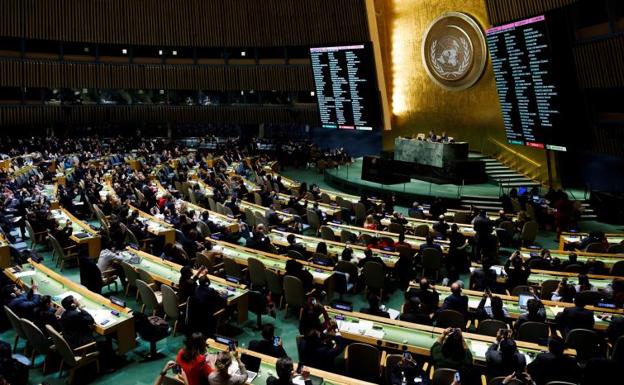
599 63
51 74
219 23
502 11
50 115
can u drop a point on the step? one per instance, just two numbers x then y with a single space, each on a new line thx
507 175
474 202
496 167
483 207
481 197
501 172
520 184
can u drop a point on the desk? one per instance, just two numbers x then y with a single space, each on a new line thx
267 368
435 154
156 226
216 218
412 223
413 241
567 238
5 252
538 276
168 273
58 287
333 195
50 191
331 210
335 249
511 304
244 205
323 276
416 338
582 256
92 240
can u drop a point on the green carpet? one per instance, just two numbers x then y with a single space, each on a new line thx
136 372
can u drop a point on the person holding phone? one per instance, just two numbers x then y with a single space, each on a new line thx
407 371
175 369
222 375
270 344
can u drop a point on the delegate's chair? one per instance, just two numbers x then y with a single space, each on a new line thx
74 358
151 300
294 294
257 275
171 306
39 343
363 362
536 332
374 276
14 320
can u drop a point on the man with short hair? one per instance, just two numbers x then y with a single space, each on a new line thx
284 369
456 301
427 294
267 345
554 365
576 317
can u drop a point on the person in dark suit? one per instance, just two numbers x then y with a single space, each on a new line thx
374 307
427 294
22 303
502 357
535 313
203 304
413 311
368 257
45 314
429 244
296 269
285 371
294 246
267 344
232 205
76 322
456 301
319 350
517 271
554 365
576 317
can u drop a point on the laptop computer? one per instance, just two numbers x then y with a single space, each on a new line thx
252 364
523 300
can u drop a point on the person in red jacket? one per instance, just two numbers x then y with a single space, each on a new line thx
192 359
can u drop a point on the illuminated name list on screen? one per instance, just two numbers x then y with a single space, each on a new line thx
527 88
346 87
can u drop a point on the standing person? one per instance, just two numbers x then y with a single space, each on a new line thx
192 359
502 357
554 365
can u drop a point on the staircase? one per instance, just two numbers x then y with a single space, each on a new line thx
502 175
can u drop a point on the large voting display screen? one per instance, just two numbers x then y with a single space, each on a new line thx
346 87
528 83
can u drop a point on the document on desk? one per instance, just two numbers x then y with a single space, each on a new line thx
473 303
394 314
101 316
479 348
27 273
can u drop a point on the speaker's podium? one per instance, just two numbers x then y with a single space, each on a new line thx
435 162
385 171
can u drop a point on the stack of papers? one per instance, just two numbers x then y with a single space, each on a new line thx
361 328
479 348
27 273
100 316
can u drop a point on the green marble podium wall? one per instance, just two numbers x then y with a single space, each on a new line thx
434 154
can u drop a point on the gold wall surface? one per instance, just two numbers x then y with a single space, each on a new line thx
418 104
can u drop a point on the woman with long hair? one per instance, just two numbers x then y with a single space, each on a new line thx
192 359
